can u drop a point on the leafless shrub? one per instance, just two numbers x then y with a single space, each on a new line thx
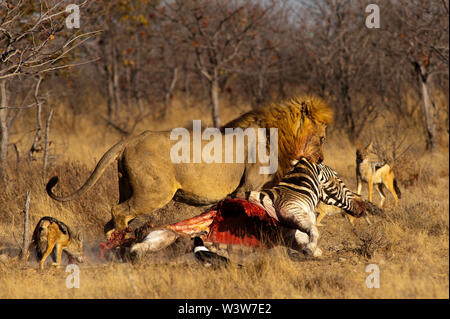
373 240
324 282
419 217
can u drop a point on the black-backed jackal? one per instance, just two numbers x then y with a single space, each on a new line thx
373 171
51 233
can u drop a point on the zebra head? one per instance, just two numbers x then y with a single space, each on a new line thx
334 192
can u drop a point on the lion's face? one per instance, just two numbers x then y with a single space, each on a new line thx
313 150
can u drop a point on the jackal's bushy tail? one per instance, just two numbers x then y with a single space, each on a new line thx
397 190
40 238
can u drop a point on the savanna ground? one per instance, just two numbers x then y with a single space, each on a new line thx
410 244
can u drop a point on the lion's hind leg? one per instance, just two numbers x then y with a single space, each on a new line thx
322 214
125 212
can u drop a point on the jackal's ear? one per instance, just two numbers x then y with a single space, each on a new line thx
358 145
369 147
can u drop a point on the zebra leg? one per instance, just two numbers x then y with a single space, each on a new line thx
294 238
311 247
304 221
300 241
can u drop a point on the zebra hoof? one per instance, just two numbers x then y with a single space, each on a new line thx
317 252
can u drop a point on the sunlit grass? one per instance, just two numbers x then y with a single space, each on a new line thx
413 256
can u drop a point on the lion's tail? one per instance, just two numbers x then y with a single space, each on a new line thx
111 155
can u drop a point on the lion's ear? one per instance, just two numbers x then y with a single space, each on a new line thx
80 236
294 162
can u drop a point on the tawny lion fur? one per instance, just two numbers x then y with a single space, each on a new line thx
295 120
148 179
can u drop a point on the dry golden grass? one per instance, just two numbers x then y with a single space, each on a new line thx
410 244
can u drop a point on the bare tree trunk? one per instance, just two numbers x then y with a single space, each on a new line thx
110 100
116 84
26 227
261 69
37 136
169 91
430 113
137 91
17 153
140 103
46 141
347 112
109 89
128 112
215 100
260 86
428 106
172 85
129 88
186 83
205 90
111 70
281 91
429 109
4 133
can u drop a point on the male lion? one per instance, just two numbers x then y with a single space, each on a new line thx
148 179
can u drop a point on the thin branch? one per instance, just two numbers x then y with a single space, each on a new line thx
18 107
46 141
49 69
66 66
115 126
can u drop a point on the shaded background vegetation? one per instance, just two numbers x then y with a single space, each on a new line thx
129 59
